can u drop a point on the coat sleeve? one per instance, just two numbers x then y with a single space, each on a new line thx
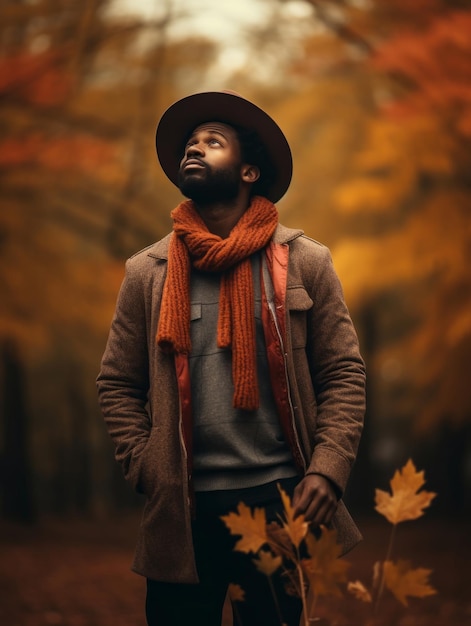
123 380
337 373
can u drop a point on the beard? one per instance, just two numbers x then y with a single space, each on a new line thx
210 185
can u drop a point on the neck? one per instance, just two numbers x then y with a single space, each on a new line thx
220 219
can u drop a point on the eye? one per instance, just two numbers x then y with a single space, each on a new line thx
213 141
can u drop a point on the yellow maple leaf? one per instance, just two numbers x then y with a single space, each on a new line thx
267 563
251 526
295 527
359 590
403 581
236 593
325 570
405 503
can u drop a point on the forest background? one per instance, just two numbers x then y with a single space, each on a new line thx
375 99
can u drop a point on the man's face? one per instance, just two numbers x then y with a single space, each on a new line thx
210 170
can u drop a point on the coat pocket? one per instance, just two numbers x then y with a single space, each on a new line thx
146 469
298 302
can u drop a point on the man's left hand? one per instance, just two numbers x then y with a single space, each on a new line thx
315 498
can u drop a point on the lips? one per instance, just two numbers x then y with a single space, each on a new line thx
193 163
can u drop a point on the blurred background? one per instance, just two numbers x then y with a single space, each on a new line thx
375 99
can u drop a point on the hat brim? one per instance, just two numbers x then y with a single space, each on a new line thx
182 117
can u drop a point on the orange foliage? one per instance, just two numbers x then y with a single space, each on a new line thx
404 581
324 572
405 503
436 63
85 154
39 78
359 590
295 527
252 527
324 569
267 563
236 593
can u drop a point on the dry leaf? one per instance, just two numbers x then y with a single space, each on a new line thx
325 570
359 590
236 593
403 581
404 503
280 542
296 528
252 527
267 563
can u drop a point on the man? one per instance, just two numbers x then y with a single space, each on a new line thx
232 366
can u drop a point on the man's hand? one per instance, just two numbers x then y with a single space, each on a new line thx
315 498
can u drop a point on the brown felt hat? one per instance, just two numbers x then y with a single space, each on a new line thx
182 117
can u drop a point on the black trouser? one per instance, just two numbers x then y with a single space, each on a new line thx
169 604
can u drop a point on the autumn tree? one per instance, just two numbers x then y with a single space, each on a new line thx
375 102
374 98
81 190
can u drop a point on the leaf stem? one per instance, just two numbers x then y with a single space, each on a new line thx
388 558
302 588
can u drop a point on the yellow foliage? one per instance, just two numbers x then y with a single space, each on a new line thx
403 581
267 563
359 590
295 527
323 573
252 527
236 593
324 569
391 163
366 195
405 503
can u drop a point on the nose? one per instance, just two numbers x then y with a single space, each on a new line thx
194 148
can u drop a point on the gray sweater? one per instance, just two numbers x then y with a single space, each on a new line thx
232 448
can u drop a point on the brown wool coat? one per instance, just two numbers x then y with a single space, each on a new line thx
144 410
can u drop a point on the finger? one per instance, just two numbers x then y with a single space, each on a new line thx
322 514
320 509
305 502
309 507
300 500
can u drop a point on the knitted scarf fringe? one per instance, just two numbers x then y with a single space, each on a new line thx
193 244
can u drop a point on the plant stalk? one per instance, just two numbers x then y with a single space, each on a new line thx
388 558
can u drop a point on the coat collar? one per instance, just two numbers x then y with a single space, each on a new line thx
159 250
283 234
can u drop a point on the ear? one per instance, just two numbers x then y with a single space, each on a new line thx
250 173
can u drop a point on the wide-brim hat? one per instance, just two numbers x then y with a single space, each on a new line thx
182 117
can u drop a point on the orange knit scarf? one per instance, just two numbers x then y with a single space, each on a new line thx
192 243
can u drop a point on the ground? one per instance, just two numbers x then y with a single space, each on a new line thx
77 573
